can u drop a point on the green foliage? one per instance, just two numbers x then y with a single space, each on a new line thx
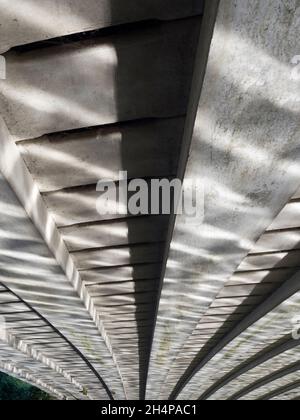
12 389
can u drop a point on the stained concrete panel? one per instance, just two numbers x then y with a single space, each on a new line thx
26 21
142 73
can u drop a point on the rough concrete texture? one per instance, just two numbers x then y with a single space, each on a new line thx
26 21
245 148
269 261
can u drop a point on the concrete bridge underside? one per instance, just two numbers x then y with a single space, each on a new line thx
156 307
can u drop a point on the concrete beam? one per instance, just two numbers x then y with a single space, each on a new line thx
246 185
265 356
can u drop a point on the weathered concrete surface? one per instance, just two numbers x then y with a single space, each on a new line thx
21 366
151 68
143 149
26 21
245 149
